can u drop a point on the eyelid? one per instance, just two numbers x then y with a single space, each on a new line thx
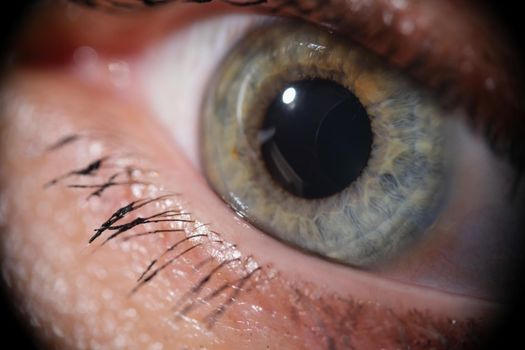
477 70
181 118
315 305
327 275
333 278
169 72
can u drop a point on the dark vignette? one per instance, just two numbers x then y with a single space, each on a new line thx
15 333
12 330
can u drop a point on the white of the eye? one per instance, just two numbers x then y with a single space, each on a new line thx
174 76
176 71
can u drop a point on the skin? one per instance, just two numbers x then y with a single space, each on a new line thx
77 296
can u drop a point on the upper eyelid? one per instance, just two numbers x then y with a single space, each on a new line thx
489 91
478 70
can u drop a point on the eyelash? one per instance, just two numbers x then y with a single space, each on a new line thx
499 119
332 314
136 4
251 271
100 190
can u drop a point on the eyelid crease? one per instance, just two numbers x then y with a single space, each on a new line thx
477 71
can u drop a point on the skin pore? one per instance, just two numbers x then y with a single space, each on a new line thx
230 286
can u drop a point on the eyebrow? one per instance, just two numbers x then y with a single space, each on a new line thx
467 62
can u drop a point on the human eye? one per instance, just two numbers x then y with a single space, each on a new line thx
184 175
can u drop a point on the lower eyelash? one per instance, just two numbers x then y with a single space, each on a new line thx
91 177
327 320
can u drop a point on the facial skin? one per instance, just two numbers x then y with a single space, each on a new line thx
260 294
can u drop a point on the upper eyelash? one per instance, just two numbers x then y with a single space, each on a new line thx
135 4
504 138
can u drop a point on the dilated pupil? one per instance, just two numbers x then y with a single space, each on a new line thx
316 138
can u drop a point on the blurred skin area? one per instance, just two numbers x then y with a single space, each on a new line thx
232 286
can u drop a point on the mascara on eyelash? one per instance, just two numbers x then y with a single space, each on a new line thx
110 182
64 141
123 211
196 289
212 317
165 216
89 170
168 250
154 232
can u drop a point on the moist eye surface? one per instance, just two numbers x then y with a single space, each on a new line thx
319 144
316 138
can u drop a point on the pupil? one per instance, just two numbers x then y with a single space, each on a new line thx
316 138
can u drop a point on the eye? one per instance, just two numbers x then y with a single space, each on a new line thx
400 190
320 145
293 175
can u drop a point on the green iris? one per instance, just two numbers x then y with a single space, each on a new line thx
397 194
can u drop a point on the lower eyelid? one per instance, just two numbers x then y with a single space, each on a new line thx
182 119
304 296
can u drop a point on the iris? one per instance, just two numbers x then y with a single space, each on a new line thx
319 144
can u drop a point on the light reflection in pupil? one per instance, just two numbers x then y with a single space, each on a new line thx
316 138
289 95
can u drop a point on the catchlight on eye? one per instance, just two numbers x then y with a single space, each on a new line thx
316 139
319 144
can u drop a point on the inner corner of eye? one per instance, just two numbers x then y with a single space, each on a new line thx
320 150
